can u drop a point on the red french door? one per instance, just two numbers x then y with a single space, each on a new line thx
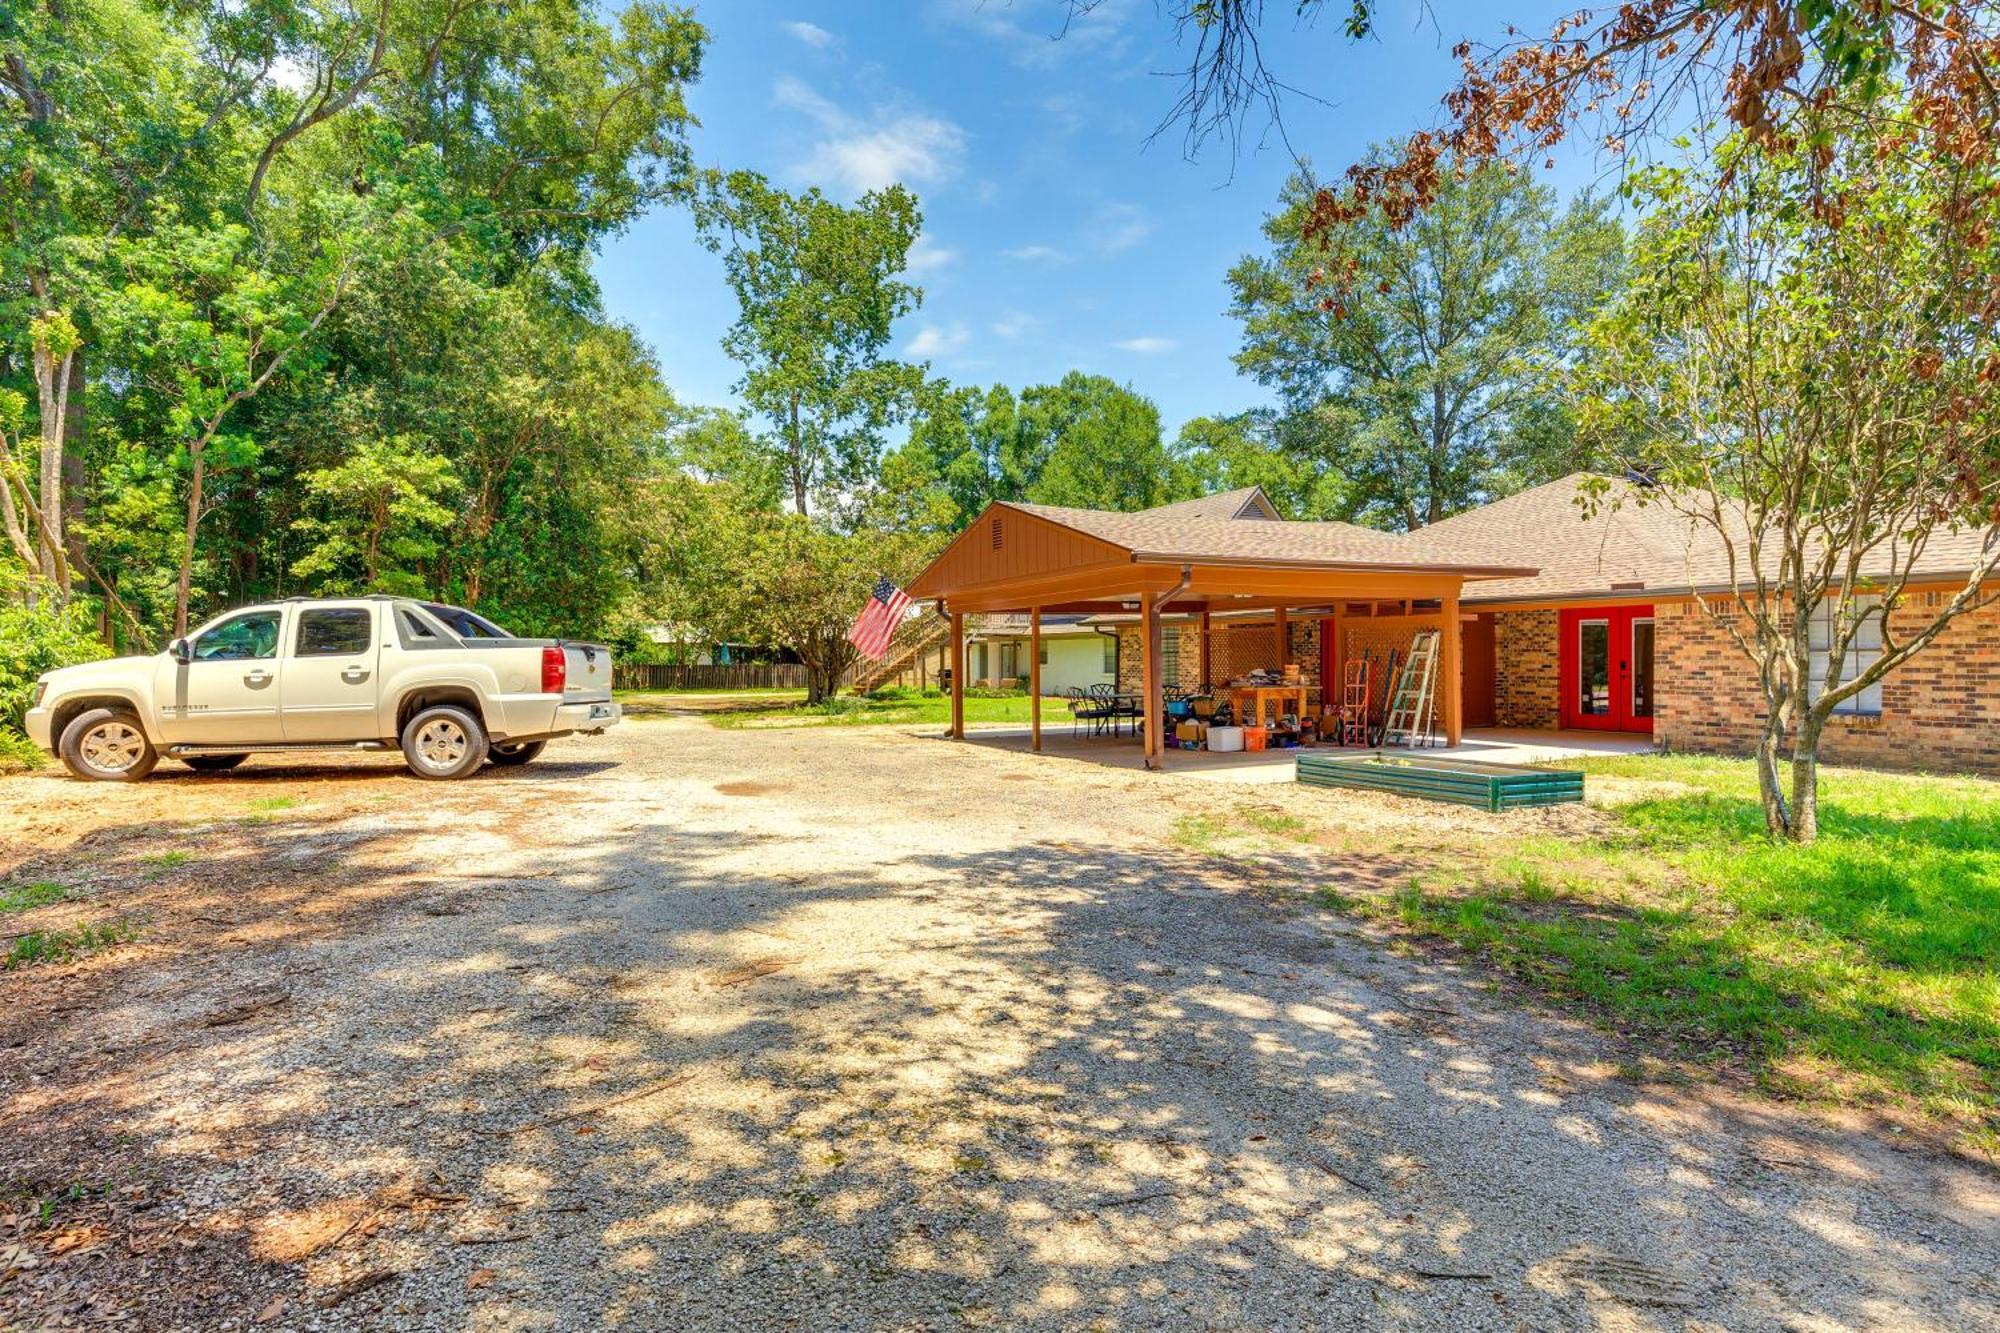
1606 667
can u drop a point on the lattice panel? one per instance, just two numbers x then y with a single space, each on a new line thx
1377 637
1237 649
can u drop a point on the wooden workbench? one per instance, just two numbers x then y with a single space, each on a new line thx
1249 701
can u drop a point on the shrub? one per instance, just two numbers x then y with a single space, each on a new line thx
34 639
993 692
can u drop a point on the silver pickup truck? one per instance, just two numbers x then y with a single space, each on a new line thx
449 688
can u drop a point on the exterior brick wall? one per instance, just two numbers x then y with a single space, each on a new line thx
1940 711
1525 679
1132 660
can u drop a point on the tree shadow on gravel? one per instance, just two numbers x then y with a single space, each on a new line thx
664 1079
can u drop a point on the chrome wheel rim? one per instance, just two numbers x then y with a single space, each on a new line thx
112 747
441 743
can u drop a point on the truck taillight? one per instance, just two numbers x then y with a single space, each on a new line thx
555 671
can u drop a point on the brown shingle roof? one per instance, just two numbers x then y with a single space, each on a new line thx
1152 535
1223 504
1649 547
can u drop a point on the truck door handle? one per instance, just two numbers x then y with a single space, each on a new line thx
257 679
354 675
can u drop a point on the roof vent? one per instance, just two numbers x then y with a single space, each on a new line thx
998 534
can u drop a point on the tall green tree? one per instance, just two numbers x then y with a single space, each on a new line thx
818 287
1249 449
224 229
1085 441
1415 359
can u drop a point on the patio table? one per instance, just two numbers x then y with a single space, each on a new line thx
1250 701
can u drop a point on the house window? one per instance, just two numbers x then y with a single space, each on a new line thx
1044 653
1862 653
1110 656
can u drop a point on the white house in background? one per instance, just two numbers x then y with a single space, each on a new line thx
1074 654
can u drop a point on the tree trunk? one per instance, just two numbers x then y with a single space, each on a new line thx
822 682
1805 782
187 551
1770 786
75 429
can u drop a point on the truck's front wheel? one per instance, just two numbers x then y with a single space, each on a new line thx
107 745
444 741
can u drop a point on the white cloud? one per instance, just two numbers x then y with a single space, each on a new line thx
1012 324
931 340
1036 254
1149 345
1050 34
926 256
1119 227
888 147
1067 113
811 34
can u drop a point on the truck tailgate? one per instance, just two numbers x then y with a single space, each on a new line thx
588 676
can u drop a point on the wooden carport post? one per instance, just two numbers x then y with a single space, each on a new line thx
1453 668
1149 625
1282 628
958 675
1035 678
1207 677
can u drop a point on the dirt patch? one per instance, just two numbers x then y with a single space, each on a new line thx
747 788
961 1038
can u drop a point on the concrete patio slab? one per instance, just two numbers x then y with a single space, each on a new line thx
1491 745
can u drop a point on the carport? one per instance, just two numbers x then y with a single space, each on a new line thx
1216 556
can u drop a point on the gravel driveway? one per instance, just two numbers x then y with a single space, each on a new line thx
851 1028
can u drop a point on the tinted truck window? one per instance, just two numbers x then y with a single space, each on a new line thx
334 631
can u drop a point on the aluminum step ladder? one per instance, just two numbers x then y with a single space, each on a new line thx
1413 706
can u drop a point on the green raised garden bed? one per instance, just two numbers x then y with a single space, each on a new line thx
1463 781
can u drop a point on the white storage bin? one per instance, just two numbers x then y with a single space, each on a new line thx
1225 738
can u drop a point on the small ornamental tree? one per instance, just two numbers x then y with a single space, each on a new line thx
803 584
1806 363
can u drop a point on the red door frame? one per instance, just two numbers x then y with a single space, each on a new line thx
1618 621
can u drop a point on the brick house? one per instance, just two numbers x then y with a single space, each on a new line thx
1607 636
1554 620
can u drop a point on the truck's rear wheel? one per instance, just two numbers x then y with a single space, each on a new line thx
107 745
444 741
213 763
520 752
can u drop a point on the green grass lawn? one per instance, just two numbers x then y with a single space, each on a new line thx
891 706
1864 969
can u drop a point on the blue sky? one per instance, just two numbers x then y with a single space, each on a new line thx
1055 237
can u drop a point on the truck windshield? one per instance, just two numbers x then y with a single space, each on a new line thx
466 624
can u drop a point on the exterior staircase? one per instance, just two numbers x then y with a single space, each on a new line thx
913 639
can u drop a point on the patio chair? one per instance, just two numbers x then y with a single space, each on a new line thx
1083 710
1114 707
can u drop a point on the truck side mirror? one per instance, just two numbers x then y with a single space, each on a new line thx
182 651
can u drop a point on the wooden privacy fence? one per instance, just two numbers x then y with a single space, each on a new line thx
738 676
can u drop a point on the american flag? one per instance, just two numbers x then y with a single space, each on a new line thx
877 622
